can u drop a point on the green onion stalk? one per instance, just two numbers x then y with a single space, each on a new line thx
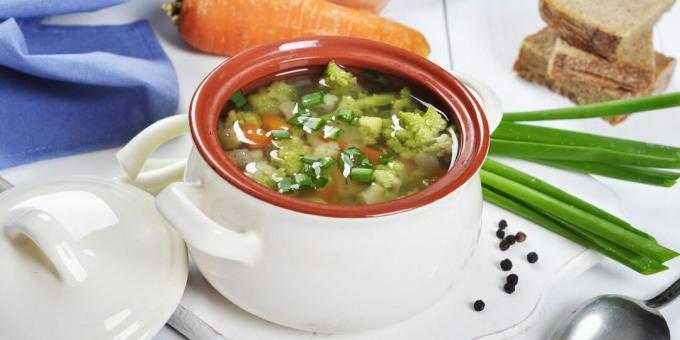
588 153
611 108
572 218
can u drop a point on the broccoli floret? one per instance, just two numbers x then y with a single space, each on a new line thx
368 105
268 99
387 179
288 155
248 118
405 101
266 174
390 175
370 128
418 133
375 101
326 150
347 102
341 82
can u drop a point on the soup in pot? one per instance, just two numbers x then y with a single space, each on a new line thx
340 136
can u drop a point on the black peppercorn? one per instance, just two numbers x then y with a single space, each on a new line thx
532 257
506 265
504 245
512 279
502 224
521 237
509 288
510 239
500 233
479 305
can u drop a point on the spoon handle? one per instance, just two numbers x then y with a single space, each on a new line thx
665 297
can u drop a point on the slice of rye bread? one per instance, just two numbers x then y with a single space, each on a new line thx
569 62
532 65
612 29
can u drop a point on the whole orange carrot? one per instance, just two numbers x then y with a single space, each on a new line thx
374 6
230 26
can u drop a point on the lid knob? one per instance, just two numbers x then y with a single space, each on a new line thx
52 239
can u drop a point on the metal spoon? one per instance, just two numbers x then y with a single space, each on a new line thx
618 317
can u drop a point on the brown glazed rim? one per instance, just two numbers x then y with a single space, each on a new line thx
266 60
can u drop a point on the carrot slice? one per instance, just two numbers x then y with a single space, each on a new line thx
274 123
228 27
327 193
255 137
372 154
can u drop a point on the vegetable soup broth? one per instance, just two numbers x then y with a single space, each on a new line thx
338 136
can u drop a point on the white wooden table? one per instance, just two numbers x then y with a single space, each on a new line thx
480 38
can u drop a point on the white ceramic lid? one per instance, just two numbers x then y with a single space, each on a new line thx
86 258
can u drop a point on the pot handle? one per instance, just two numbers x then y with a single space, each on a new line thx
52 239
490 101
176 204
133 156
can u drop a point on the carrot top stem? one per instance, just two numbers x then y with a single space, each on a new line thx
172 9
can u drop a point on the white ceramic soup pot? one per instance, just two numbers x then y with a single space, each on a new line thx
312 266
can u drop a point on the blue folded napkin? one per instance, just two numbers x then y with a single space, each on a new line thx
43 8
70 89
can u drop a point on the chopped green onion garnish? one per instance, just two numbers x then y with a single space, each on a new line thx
304 112
320 181
309 159
313 123
286 185
323 162
366 163
304 181
280 134
344 115
312 99
297 120
238 99
387 157
327 161
361 174
352 151
327 117
333 133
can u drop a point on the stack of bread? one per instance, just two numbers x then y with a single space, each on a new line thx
597 50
